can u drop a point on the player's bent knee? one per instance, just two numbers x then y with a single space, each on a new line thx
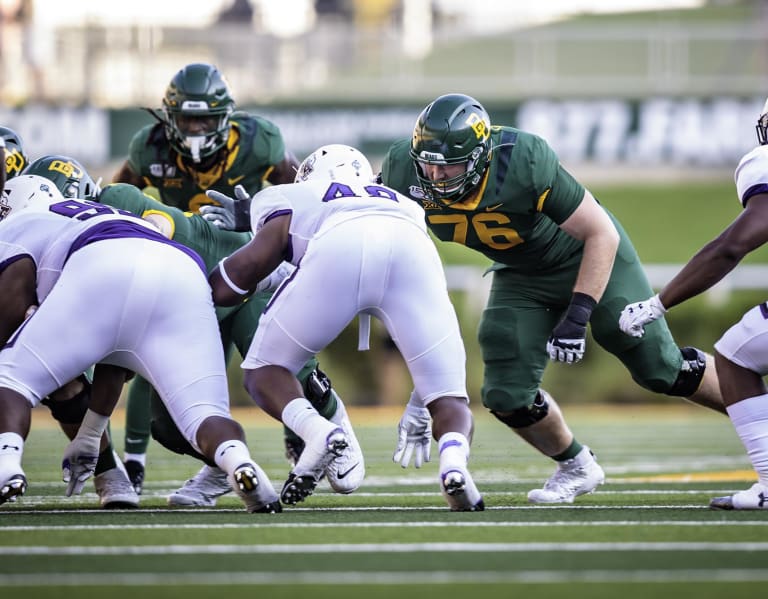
169 437
691 373
72 410
526 416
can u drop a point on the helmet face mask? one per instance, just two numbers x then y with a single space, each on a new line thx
452 130
15 158
67 174
335 162
27 193
762 126
197 106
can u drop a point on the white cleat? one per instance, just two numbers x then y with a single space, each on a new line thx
578 476
754 498
460 492
346 472
317 455
115 490
252 485
202 490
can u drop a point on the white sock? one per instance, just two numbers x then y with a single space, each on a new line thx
304 420
454 451
141 458
750 419
231 454
11 450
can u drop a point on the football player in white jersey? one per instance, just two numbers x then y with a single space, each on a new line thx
741 355
72 249
359 249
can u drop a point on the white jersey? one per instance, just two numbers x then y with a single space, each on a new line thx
746 342
317 205
359 250
50 238
114 290
752 174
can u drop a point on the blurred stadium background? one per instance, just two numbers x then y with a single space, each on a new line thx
650 103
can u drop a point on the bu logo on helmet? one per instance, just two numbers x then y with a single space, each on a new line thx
479 126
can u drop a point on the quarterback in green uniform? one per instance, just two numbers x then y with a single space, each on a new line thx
200 142
237 325
561 261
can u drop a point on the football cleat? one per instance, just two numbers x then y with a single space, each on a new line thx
135 472
253 486
115 490
346 472
13 488
460 492
754 498
202 490
309 470
578 476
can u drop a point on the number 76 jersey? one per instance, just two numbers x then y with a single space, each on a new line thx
318 205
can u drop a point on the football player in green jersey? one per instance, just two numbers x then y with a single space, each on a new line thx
237 326
200 142
560 261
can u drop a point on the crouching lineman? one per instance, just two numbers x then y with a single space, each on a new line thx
70 249
360 249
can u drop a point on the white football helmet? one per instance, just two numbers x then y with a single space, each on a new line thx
28 192
335 162
762 126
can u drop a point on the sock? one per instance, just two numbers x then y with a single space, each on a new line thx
141 458
328 411
304 420
107 460
750 419
573 450
454 451
231 454
11 450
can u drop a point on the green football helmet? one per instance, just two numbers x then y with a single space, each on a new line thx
762 126
196 108
67 174
453 129
15 158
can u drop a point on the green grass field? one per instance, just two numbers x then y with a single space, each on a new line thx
648 531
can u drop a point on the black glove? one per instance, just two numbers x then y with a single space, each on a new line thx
568 339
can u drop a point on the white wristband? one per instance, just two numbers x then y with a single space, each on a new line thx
228 281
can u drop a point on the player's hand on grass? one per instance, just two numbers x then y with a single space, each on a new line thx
79 463
414 436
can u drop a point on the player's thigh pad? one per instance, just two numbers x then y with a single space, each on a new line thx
746 342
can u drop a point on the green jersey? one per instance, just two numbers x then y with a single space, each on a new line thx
513 218
253 148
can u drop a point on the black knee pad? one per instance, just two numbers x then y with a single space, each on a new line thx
72 410
169 437
691 373
523 417
317 388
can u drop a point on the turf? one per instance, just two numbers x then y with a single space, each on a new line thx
647 530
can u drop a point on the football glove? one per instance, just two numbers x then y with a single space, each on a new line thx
414 435
635 316
568 339
79 463
233 214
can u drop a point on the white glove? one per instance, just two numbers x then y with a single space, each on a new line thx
272 281
635 316
233 214
79 463
82 453
414 436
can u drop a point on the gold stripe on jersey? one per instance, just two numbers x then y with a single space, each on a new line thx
542 198
474 199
